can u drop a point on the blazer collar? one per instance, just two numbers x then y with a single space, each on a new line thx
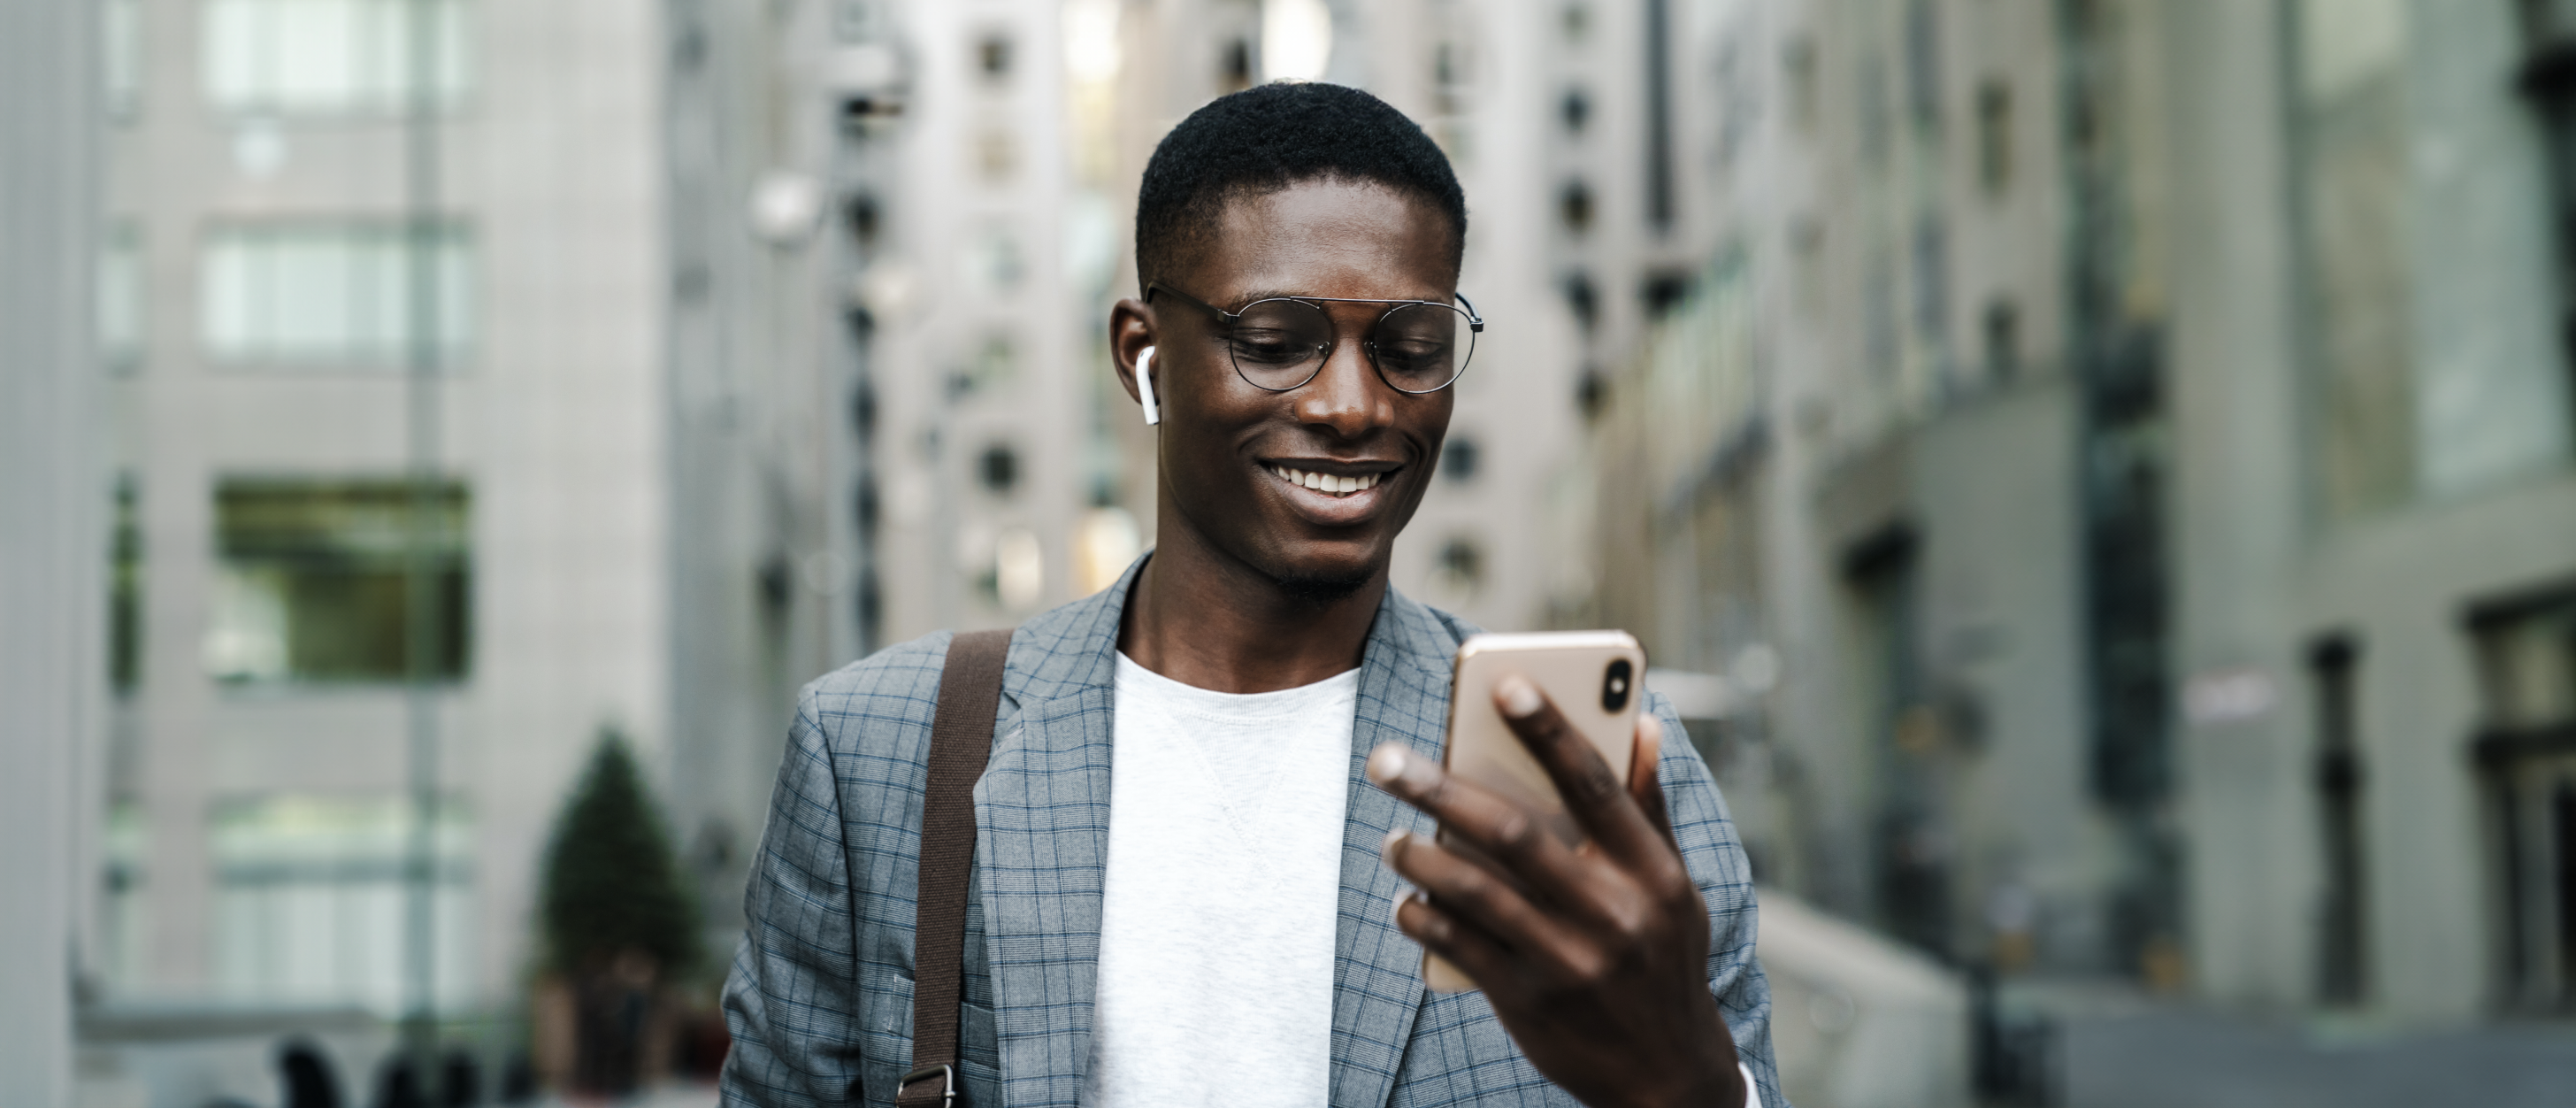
1043 844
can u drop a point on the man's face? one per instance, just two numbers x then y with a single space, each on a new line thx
1229 448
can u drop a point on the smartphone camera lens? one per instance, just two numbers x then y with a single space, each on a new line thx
1614 685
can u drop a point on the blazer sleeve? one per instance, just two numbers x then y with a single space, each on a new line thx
792 999
1715 854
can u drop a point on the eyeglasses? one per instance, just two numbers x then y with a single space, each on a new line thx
1279 344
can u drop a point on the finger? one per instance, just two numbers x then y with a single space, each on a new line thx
1484 960
1471 893
1645 785
1593 794
1512 837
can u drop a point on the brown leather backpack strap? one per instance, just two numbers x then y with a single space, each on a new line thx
961 740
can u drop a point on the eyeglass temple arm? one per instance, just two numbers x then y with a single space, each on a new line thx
1475 323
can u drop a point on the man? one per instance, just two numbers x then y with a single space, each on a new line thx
1192 832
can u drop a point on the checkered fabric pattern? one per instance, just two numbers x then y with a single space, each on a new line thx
820 998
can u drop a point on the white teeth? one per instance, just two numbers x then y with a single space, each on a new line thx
1326 482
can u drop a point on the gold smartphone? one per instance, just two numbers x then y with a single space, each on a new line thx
1595 679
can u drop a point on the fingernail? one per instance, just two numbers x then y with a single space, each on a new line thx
1519 698
1393 840
1385 764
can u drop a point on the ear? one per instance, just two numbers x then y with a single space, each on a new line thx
1131 353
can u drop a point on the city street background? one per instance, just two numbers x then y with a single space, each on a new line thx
2098 477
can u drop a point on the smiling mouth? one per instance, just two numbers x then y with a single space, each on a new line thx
1327 483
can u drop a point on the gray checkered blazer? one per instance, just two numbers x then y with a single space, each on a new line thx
820 998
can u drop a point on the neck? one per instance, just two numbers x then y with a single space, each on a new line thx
1202 617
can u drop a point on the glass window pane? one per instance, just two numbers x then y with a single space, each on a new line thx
313 581
2353 125
120 28
307 294
125 591
328 57
310 895
120 298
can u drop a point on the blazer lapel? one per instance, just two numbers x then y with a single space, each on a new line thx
1377 971
1042 847
1042 844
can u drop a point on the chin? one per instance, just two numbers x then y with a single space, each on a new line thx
1322 577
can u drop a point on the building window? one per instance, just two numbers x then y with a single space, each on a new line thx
2343 962
1459 458
1016 579
125 591
865 219
858 21
994 365
1932 280
2525 649
120 56
120 298
2355 196
124 942
1798 59
336 294
1994 136
331 57
2003 340
1583 299
1575 109
1574 206
1923 65
1460 571
993 56
310 894
313 581
998 468
1664 292
1234 65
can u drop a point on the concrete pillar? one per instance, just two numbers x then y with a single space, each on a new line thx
2236 508
49 603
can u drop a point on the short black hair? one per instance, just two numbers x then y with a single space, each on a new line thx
1269 137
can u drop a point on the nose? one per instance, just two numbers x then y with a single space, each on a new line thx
1346 398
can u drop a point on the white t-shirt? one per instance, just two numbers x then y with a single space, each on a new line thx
1223 889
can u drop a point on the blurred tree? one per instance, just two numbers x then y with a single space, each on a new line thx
618 922
612 882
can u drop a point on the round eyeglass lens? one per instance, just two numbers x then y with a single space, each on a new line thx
1422 347
1280 344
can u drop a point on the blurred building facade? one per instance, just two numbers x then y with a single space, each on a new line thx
375 299
2115 466
2097 470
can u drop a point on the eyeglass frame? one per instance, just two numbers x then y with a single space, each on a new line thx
1368 343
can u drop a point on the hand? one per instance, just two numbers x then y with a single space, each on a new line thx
1596 956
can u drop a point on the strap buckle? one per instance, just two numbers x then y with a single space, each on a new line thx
947 1075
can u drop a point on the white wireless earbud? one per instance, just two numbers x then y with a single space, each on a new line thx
1145 386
